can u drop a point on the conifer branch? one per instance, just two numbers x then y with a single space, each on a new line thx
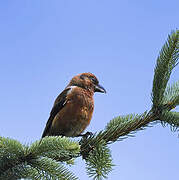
45 160
58 148
50 169
119 128
95 162
38 160
171 96
163 101
166 61
11 152
170 118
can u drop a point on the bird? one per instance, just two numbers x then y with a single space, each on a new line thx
73 108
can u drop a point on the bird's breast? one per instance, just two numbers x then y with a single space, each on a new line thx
82 109
75 116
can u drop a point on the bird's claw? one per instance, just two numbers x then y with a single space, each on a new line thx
86 135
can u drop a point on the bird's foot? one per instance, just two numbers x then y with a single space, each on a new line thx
86 135
85 144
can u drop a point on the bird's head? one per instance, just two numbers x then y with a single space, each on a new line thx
87 81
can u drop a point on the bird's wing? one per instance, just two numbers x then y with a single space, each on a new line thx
58 105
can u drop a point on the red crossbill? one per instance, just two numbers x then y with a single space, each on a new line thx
73 108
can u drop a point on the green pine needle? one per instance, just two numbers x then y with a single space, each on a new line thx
171 96
55 147
99 162
170 118
19 161
166 61
10 153
122 127
51 169
21 171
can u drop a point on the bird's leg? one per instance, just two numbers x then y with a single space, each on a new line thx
85 144
86 135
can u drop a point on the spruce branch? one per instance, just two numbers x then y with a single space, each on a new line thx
166 61
118 129
20 171
20 161
55 147
95 162
171 96
170 118
11 152
45 160
164 100
51 169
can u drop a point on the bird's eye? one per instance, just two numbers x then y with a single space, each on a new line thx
83 76
94 80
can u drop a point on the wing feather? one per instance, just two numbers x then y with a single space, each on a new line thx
58 105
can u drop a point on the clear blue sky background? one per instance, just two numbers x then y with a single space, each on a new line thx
43 44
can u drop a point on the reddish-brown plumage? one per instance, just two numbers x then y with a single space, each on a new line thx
73 108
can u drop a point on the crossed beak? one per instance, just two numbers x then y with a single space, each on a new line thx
99 88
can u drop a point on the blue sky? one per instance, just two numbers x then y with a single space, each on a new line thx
43 44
